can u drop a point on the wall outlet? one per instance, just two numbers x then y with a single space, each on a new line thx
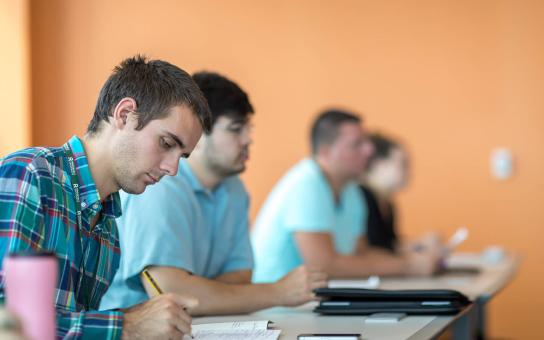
501 163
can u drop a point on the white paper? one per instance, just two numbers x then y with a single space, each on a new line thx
232 326
258 334
237 330
373 282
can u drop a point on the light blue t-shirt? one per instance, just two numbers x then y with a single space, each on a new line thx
178 223
304 201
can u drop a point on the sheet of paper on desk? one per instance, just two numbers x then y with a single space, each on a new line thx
257 334
237 330
232 326
372 283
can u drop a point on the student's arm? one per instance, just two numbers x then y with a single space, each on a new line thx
317 249
364 248
217 297
421 261
240 276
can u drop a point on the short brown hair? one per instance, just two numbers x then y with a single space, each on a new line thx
325 127
156 86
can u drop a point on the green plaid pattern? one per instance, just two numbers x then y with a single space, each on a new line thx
38 213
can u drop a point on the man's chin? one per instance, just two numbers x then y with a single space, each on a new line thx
239 170
134 190
234 171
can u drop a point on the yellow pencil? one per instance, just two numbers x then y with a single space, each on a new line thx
152 282
158 289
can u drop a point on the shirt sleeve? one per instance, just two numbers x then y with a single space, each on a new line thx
89 325
309 206
155 231
21 212
241 253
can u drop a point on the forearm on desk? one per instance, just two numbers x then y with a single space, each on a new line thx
215 298
236 277
370 263
318 250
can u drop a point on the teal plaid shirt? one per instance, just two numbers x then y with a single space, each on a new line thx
38 212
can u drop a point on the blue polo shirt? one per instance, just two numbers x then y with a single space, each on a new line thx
303 201
179 223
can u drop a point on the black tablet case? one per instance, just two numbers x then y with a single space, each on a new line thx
356 301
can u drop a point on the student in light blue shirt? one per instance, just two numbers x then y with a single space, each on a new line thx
191 231
303 202
315 213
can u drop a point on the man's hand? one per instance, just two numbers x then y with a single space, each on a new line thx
297 287
162 317
423 262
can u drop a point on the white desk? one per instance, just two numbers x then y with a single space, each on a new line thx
295 321
488 282
478 287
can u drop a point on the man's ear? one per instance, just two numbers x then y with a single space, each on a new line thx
323 150
123 110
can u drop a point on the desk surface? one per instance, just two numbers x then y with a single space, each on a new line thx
490 279
300 320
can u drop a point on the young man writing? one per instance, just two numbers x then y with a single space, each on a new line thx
149 114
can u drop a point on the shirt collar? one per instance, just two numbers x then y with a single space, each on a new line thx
90 198
186 171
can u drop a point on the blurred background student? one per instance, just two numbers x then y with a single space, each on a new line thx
387 172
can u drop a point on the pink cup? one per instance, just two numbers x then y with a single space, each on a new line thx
30 281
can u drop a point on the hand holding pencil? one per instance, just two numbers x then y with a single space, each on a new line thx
163 316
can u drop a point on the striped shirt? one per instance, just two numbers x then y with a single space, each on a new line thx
38 213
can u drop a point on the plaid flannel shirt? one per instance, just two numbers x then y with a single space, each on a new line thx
38 212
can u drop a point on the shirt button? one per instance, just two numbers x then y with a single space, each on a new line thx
83 204
95 206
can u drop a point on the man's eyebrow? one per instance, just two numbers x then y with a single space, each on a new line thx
238 120
176 139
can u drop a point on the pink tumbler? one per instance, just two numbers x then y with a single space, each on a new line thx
30 281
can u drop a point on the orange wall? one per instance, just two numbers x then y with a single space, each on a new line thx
14 79
453 78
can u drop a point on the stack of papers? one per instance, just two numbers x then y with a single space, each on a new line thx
241 330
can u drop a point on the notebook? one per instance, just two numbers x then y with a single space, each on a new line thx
237 330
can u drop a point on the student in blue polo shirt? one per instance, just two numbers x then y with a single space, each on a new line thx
315 213
191 231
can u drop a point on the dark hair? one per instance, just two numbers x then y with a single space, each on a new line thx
382 147
156 86
325 128
225 97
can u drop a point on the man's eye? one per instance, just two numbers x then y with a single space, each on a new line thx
236 129
165 144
